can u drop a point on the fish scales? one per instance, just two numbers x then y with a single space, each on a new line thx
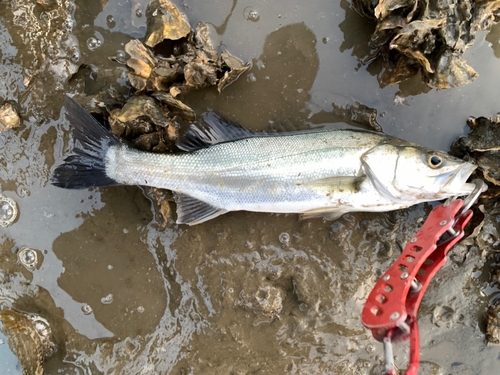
268 172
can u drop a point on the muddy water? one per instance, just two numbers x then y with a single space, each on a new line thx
245 293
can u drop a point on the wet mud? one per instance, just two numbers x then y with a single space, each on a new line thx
126 291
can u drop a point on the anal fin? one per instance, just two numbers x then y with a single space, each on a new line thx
324 213
192 211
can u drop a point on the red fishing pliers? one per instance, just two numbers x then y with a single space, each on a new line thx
391 308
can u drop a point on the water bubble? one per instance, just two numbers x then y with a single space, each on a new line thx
28 258
121 58
251 14
140 309
251 78
110 267
138 12
87 310
284 238
370 348
110 21
107 300
8 211
93 43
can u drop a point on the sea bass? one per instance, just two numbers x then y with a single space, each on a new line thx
224 167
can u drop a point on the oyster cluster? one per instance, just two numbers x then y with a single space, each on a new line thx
428 37
173 60
482 145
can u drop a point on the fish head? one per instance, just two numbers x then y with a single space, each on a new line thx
409 173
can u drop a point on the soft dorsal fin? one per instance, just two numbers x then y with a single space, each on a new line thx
192 211
210 130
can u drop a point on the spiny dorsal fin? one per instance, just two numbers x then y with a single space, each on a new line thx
210 130
192 211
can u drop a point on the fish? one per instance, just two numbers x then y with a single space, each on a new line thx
224 167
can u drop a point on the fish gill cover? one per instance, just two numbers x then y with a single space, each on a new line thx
426 36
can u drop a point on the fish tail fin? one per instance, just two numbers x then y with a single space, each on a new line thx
86 168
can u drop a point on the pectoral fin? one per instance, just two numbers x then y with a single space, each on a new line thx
192 211
341 184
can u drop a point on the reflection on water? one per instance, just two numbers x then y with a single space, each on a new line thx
119 17
231 296
278 85
357 33
109 257
494 38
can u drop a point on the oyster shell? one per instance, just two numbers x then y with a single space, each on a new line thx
29 338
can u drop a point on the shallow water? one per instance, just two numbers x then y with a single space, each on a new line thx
227 296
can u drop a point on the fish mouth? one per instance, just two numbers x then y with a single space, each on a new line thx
457 181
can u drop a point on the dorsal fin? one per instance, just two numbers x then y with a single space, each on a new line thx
210 130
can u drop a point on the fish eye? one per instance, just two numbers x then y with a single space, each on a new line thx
435 161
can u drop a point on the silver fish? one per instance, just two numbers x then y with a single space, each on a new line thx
227 168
